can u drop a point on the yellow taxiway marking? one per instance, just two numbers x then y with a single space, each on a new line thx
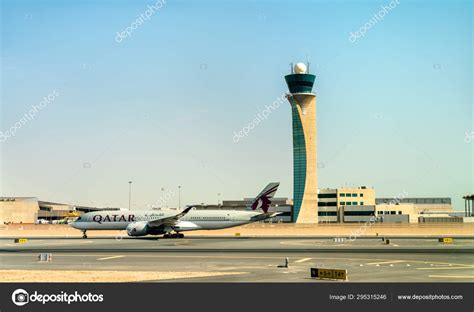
112 257
452 276
303 260
387 262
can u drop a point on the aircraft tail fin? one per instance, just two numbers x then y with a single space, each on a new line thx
263 200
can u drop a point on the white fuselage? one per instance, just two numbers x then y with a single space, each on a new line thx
193 220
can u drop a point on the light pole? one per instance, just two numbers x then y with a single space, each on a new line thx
218 199
179 196
162 197
129 194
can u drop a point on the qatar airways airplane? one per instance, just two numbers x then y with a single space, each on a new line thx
171 224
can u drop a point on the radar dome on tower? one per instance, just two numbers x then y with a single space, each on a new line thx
300 68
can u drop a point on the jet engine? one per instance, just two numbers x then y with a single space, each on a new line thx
137 229
141 228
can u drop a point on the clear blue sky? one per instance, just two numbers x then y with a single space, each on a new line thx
160 107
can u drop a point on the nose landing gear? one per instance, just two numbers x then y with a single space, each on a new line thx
84 235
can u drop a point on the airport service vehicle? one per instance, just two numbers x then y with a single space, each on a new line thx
171 224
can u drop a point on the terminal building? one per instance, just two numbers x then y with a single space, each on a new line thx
354 205
18 209
333 202
32 210
342 205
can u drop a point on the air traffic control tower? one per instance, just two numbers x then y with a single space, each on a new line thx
305 179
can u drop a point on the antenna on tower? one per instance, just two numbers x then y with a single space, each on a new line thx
307 63
291 68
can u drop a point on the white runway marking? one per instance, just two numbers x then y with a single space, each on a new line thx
451 276
386 262
303 260
448 268
113 257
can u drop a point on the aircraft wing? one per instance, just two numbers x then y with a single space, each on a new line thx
170 220
275 214
266 215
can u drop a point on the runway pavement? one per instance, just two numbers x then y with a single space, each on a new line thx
255 259
239 244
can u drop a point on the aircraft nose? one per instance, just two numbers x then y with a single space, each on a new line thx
77 224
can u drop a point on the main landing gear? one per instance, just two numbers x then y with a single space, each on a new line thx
173 235
84 235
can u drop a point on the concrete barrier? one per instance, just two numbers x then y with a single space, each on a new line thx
45 257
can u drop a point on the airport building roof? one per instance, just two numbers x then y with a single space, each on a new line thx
419 201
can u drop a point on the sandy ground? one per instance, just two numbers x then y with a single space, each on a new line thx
61 276
460 229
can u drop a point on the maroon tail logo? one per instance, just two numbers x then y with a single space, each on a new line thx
263 200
